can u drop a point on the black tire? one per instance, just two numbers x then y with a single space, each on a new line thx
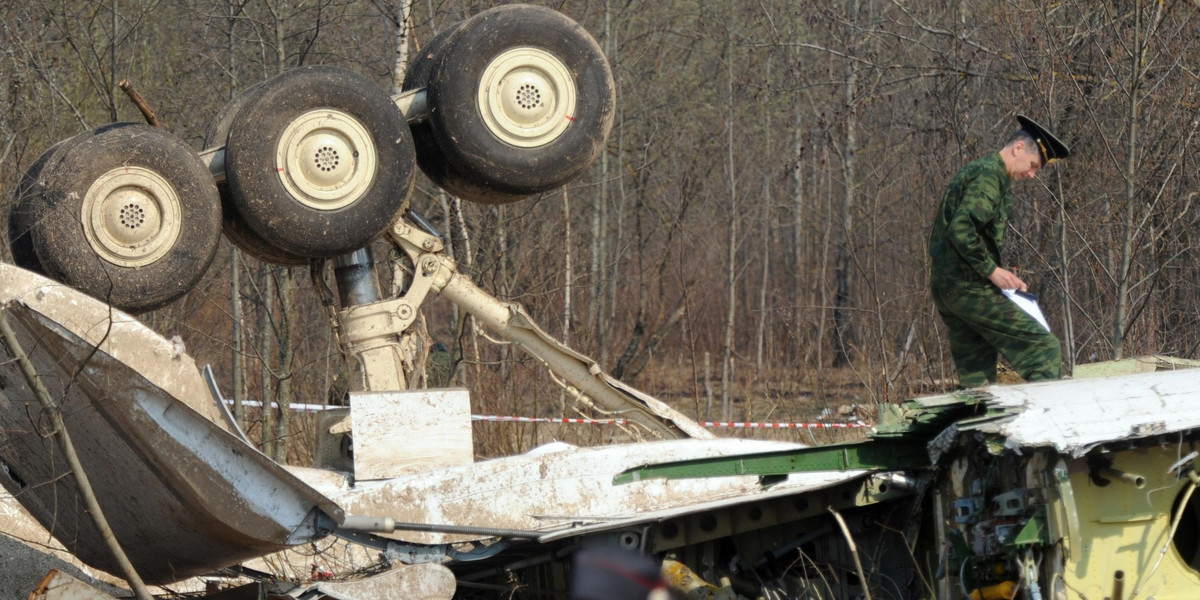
20 219
232 225
430 158
547 110
126 213
339 122
21 216
419 68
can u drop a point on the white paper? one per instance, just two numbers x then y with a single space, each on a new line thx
1028 303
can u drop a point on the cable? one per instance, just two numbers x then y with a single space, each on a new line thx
1187 496
962 584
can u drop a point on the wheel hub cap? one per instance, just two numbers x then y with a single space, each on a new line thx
131 216
527 97
326 159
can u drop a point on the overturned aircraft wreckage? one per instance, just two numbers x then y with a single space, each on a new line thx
1073 488
117 445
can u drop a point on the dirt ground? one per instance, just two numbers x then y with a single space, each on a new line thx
23 567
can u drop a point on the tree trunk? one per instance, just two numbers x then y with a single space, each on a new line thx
568 276
822 279
237 358
403 32
286 291
799 292
504 291
765 279
114 79
1122 305
1068 333
843 333
597 308
280 38
450 219
266 333
287 353
235 256
599 225
731 264
766 250
708 391
614 271
465 328
568 272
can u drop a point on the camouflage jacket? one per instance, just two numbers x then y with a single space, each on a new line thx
968 231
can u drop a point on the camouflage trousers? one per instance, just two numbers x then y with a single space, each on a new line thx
982 322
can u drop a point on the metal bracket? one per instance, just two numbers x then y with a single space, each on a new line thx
431 271
412 554
370 331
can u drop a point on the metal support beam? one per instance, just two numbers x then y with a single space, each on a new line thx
870 454
435 272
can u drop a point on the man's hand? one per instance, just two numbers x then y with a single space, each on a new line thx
1007 280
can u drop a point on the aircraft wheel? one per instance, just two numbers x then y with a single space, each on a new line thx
234 228
430 158
521 101
126 213
320 163
20 215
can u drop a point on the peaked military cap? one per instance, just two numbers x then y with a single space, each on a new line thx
1050 147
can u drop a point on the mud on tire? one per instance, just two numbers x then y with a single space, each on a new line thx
320 163
521 101
126 213
20 213
232 225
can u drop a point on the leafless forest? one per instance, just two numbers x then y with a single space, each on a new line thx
752 243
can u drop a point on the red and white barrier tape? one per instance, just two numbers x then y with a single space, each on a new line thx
504 419
576 421
737 425
296 406
817 425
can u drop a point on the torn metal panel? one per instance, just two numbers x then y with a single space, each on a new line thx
562 487
927 415
182 494
162 362
327 482
861 455
796 484
1075 416
1131 365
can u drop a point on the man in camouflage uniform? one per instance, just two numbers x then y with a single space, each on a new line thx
965 275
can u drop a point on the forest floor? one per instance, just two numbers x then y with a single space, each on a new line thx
22 567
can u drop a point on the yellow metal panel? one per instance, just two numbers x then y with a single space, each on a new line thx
1124 528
